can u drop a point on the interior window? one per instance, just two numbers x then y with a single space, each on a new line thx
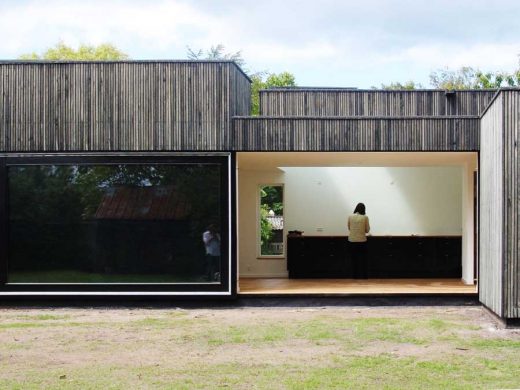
271 220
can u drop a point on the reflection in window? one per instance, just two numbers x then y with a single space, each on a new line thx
271 220
112 223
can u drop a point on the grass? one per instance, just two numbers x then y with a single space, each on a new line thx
43 317
71 276
352 373
495 343
222 349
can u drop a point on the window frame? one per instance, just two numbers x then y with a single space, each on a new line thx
227 285
259 255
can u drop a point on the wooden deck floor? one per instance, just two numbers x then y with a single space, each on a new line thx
280 286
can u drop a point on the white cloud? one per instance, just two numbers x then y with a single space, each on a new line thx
310 51
487 56
157 24
327 43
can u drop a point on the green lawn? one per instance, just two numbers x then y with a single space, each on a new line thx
265 348
71 276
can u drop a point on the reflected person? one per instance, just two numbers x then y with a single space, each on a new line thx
358 226
211 238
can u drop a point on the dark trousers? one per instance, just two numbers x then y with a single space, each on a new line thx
212 268
359 259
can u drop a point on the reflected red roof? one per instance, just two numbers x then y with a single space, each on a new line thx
149 203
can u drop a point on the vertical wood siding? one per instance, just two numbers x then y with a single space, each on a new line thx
511 107
240 98
117 106
239 101
356 134
492 207
345 102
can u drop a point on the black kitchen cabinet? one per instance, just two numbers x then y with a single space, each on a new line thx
387 257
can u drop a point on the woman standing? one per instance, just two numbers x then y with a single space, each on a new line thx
358 227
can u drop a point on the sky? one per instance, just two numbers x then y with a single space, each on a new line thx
325 43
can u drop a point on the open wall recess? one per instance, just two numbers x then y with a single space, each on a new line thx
407 194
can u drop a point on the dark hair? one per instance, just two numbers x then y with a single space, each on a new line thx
211 227
360 208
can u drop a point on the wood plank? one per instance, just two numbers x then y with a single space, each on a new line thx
119 106
449 133
352 102
491 208
511 270
281 286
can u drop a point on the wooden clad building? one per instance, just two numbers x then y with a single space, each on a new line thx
120 106
499 205
90 127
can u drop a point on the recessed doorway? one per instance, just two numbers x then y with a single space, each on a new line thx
421 209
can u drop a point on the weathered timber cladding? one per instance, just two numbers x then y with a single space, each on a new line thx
356 134
240 98
511 280
118 106
349 102
492 207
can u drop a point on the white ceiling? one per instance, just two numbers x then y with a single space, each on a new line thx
270 160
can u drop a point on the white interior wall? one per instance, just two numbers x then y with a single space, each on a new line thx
248 187
399 201
468 233
421 200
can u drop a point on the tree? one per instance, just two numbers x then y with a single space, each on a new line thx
463 78
467 77
216 53
103 52
271 199
495 80
260 80
408 85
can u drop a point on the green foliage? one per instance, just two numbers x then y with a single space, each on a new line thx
73 276
408 85
497 79
260 80
271 198
33 187
465 77
280 80
216 53
471 78
294 349
53 220
263 80
266 231
103 52
462 78
495 343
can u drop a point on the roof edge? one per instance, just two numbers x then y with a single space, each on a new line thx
349 89
499 91
379 117
43 62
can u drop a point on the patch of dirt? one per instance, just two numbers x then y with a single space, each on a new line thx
143 337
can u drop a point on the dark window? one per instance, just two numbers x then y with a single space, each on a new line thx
115 223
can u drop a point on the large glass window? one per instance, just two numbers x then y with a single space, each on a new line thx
115 223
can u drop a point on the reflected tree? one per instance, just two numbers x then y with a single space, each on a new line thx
54 224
